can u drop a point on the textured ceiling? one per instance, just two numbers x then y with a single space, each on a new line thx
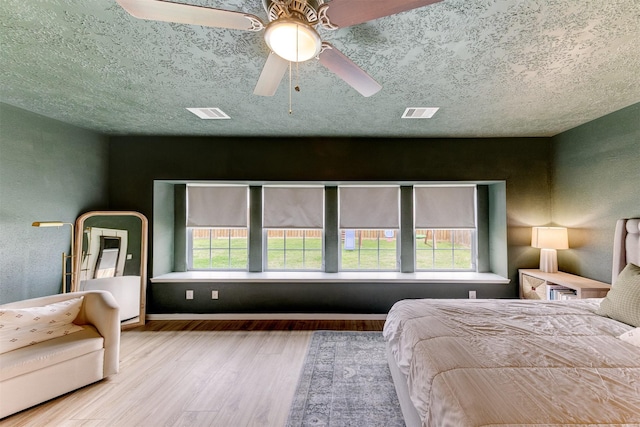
494 67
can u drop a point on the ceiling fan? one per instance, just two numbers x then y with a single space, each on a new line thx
290 33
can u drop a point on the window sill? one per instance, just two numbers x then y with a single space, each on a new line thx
320 277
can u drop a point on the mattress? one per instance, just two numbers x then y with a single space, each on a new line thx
514 362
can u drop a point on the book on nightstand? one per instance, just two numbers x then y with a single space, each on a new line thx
558 292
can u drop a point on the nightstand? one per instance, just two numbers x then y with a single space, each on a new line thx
536 284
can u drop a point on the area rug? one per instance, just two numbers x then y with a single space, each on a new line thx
345 381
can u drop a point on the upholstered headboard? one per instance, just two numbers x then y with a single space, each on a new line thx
626 245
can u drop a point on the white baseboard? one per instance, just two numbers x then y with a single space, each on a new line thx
265 316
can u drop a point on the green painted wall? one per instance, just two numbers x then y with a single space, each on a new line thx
162 246
596 176
48 171
585 179
524 163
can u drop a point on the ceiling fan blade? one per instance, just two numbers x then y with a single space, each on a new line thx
159 10
343 13
271 75
347 70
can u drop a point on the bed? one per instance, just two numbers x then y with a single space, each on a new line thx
522 362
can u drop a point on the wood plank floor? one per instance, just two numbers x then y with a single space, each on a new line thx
194 373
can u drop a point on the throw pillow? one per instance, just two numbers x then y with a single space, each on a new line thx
622 302
20 327
632 337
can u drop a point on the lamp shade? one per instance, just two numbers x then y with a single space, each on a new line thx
292 39
49 224
549 238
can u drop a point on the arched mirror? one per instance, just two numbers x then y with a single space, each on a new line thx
111 255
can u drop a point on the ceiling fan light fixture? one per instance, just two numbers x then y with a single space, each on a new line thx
292 40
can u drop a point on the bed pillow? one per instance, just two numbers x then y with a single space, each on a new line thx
20 327
622 302
632 337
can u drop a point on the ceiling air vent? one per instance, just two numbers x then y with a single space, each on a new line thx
419 112
209 113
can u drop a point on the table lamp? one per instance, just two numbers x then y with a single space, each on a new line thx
549 239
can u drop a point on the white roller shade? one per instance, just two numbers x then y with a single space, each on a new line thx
370 207
217 206
444 207
293 207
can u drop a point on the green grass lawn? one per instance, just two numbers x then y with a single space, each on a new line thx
443 256
367 258
220 256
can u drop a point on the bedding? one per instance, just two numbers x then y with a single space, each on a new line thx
514 362
632 337
523 362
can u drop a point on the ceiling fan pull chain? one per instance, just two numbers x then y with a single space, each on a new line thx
290 109
297 88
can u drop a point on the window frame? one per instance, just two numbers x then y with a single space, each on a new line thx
289 209
266 250
359 250
229 249
490 229
464 206
473 249
361 200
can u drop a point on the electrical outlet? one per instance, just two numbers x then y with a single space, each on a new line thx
214 294
189 294
472 294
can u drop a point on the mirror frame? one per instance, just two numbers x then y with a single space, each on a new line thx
144 230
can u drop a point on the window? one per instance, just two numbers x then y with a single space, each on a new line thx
217 227
445 228
369 218
477 242
218 248
444 249
294 249
364 227
369 250
293 221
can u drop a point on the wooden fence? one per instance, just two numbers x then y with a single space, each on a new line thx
424 235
